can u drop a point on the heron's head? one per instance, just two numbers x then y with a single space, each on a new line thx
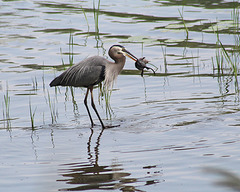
118 52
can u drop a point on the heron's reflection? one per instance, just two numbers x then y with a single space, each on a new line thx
90 175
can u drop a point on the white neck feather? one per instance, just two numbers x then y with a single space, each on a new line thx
111 72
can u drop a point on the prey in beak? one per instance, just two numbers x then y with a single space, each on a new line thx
140 63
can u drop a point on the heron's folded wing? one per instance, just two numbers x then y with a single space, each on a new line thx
87 73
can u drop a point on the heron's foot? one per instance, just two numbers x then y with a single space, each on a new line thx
110 126
105 126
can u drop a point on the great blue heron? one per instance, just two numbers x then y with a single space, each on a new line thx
92 71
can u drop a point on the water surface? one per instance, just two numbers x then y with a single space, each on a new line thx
172 125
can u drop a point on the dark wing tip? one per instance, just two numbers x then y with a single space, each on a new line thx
55 82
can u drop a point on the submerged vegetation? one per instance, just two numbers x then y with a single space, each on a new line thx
227 59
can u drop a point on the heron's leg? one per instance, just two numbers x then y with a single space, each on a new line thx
94 107
85 102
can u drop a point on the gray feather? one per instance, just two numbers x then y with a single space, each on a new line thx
88 72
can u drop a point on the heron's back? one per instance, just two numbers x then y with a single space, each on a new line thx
88 72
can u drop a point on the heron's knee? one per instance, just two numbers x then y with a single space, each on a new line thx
93 104
85 102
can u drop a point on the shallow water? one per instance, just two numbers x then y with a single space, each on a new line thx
172 125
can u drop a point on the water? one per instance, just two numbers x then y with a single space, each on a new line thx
172 125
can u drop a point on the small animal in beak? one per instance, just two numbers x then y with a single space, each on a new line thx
140 64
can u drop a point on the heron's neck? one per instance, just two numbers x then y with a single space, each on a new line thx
119 64
112 70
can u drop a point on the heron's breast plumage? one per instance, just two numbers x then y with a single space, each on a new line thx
112 70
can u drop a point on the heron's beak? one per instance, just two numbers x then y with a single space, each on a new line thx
130 55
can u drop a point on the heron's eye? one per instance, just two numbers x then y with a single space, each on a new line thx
119 52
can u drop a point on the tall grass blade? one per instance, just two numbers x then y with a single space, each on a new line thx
32 114
104 95
231 57
53 111
184 23
84 13
62 57
6 109
96 15
70 55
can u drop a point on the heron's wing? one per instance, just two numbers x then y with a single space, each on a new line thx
88 72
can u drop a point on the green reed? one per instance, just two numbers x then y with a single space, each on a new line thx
236 30
96 15
219 59
6 108
52 108
184 23
70 53
164 52
227 59
34 83
85 16
70 48
104 94
43 82
32 114
61 56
